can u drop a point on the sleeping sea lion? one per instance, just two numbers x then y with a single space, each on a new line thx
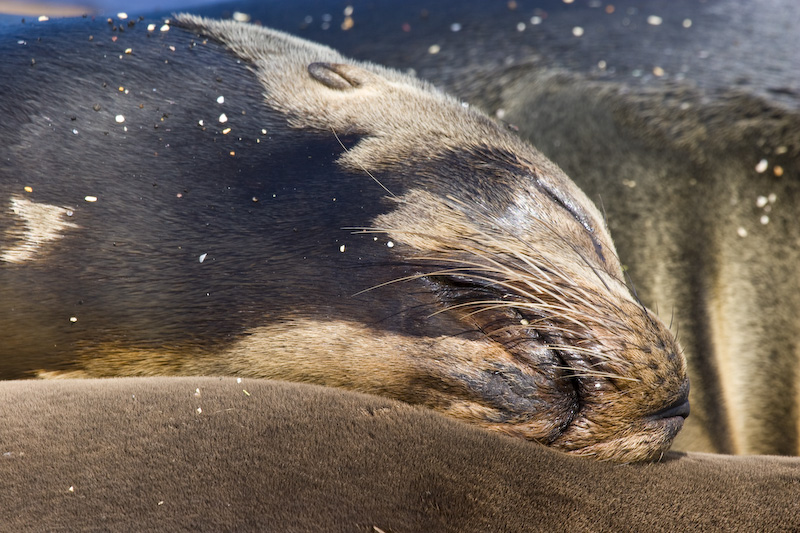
215 198
682 119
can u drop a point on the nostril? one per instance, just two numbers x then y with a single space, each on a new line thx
675 409
679 407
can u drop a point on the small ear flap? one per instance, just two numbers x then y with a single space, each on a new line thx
340 76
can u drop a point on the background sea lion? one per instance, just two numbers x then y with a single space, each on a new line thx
181 207
681 119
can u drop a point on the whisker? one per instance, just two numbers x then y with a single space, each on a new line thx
362 166
602 355
594 374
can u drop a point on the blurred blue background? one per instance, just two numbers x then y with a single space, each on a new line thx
98 7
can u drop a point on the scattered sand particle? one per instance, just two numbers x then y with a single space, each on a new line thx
764 219
203 257
778 171
434 49
741 232
73 319
90 199
341 248
151 27
687 23
577 31
220 99
165 27
44 18
28 188
122 15
654 20
223 118
120 119
761 201
762 166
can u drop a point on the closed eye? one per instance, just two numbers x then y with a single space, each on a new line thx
575 210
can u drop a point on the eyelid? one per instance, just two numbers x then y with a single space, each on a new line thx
564 201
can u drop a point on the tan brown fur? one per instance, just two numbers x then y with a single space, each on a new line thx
402 116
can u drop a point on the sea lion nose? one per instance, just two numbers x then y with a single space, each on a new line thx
680 407
675 409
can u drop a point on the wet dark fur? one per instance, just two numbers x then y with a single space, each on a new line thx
147 241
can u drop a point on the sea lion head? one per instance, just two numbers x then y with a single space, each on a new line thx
541 336
587 367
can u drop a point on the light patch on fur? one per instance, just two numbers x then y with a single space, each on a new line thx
338 353
38 225
399 115
331 352
61 374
